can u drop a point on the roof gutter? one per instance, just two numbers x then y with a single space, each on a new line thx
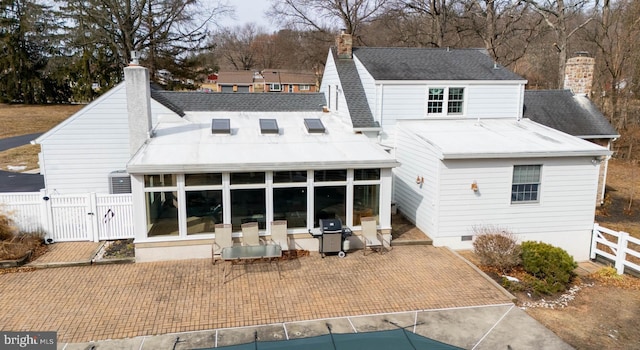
375 128
235 167
586 153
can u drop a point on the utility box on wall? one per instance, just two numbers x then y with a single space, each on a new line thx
119 182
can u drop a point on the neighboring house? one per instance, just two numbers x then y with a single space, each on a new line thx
288 81
238 81
454 120
268 80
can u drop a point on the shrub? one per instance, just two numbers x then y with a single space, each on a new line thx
15 244
7 228
552 266
496 247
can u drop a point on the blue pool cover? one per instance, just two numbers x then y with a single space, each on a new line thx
396 339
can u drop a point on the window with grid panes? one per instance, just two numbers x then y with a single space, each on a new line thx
435 100
456 98
525 186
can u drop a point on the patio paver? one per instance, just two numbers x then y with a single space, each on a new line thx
99 302
60 254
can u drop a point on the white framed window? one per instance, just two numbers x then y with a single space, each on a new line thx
455 101
275 87
445 100
290 87
435 100
525 185
305 87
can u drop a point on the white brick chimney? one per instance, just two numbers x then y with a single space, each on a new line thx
138 105
578 74
344 45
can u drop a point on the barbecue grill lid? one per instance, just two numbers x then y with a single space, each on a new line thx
330 224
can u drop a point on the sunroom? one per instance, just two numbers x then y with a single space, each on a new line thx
237 167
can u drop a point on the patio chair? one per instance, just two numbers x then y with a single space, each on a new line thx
372 239
223 240
279 234
250 235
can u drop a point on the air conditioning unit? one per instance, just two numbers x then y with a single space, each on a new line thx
119 182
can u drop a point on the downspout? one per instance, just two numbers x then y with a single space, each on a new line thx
604 174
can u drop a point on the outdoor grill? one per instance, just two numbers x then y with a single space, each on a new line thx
332 236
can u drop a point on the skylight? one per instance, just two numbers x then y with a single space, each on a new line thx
220 126
269 126
314 126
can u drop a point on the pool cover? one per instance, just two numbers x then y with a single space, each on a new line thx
396 339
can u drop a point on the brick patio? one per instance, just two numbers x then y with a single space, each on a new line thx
98 302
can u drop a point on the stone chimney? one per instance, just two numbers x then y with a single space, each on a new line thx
344 45
138 105
578 73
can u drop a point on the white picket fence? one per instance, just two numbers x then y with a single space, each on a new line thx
616 247
79 217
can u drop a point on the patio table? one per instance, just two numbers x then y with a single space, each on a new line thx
252 253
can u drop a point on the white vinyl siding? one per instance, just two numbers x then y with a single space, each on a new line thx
329 79
493 101
446 207
78 156
332 89
398 102
565 204
418 202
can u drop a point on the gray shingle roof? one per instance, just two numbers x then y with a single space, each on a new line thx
400 63
562 110
361 116
181 102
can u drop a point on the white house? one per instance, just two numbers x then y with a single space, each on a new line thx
454 120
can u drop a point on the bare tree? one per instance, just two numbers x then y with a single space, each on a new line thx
616 36
163 30
425 18
558 16
237 46
506 27
326 16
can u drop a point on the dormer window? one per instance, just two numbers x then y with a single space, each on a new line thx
450 100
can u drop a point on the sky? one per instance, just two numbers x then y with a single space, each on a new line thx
248 11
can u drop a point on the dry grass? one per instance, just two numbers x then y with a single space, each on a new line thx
18 120
23 156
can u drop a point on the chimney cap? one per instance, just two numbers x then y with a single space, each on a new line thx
135 58
582 54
